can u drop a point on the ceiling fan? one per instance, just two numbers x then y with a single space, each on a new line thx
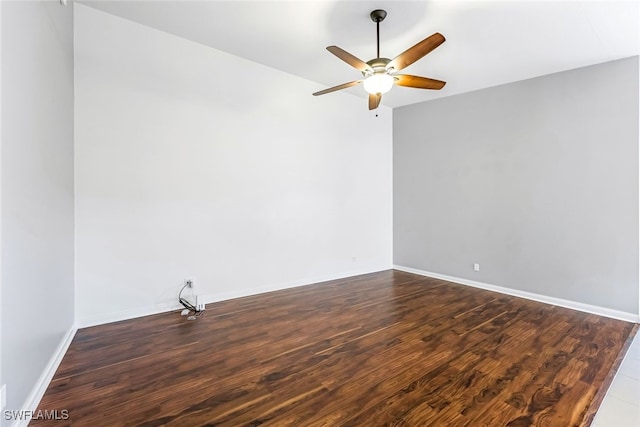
379 73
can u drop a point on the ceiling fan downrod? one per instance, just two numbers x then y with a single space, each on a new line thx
378 16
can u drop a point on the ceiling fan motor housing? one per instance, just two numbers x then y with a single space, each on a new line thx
378 65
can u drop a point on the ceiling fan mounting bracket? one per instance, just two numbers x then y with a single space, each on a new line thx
378 15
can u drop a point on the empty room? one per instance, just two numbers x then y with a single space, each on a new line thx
319 213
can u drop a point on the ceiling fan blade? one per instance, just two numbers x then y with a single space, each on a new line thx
374 100
356 63
335 88
418 82
416 51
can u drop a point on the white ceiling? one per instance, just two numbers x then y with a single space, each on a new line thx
488 42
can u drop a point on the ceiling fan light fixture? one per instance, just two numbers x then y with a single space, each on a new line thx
380 82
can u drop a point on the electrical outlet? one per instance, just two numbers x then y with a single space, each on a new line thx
476 267
190 282
3 397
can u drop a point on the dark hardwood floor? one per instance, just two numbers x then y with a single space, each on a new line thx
388 348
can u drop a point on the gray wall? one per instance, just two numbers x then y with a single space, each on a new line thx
37 190
537 181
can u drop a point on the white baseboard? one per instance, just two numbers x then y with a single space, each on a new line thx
211 298
34 398
220 296
133 313
593 309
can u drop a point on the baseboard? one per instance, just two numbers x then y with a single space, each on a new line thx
34 398
593 309
133 313
211 298
221 296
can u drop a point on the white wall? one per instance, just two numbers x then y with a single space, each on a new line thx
1 377
37 192
194 163
537 181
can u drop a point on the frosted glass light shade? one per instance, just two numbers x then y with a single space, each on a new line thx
378 83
